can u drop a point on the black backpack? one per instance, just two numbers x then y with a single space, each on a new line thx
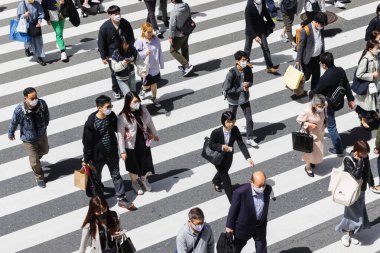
289 6
336 100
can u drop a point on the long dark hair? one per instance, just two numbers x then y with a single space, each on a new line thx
127 106
123 40
96 205
370 44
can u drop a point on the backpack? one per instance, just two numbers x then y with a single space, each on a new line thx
298 35
336 100
289 6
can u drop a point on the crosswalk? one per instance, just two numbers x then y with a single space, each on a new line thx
302 218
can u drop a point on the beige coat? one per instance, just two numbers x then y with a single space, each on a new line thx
123 124
307 116
86 236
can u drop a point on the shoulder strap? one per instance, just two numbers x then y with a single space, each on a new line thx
352 160
196 242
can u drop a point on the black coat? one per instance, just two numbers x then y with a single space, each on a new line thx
255 25
360 170
217 141
374 24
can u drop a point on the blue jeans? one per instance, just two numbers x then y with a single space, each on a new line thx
333 132
272 8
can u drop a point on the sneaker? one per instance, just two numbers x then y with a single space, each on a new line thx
116 95
333 152
354 241
137 188
272 70
294 46
124 203
345 240
41 183
252 143
277 19
376 189
284 38
146 184
188 70
338 4
142 93
40 61
28 53
64 57
181 68
95 1
86 5
155 102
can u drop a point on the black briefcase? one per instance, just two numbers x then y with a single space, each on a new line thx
302 141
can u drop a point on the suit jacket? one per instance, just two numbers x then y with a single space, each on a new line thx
306 45
217 141
255 25
242 215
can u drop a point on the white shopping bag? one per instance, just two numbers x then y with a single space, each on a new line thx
22 26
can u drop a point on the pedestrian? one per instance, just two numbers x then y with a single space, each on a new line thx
313 121
376 189
332 78
33 117
366 105
258 29
289 10
222 139
247 217
100 146
109 41
195 235
148 45
101 227
374 24
151 18
355 217
136 130
178 41
34 13
163 13
311 46
123 60
236 89
53 17
312 7
273 10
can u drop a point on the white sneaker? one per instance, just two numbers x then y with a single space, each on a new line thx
252 143
146 184
284 38
339 4
63 56
142 93
354 241
345 240
188 70
137 188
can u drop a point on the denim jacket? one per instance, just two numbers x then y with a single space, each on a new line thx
33 123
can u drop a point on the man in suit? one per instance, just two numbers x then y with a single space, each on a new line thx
311 46
247 217
222 139
258 29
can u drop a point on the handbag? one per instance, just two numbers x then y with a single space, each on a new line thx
344 187
22 26
293 79
33 30
188 27
225 243
16 36
125 245
142 70
214 157
80 178
360 86
302 141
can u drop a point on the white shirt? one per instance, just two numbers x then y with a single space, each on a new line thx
259 7
227 135
317 42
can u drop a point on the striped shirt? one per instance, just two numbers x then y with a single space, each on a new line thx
102 126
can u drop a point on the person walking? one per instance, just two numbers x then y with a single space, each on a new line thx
151 18
289 10
273 10
53 17
258 29
195 235
148 45
355 217
368 69
136 130
222 139
332 78
236 90
374 24
109 41
313 120
34 13
33 117
248 214
312 8
101 227
178 41
100 146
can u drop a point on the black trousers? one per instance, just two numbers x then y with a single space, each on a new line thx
260 245
312 69
264 47
164 9
246 107
222 177
151 7
115 84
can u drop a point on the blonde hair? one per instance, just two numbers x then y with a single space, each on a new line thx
146 27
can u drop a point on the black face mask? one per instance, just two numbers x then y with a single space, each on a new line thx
102 216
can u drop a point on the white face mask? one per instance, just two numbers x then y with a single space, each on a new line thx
319 109
117 18
33 103
136 107
259 190
243 64
197 228
319 28
107 111
258 2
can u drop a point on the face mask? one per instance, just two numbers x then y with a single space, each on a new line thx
319 109
33 103
107 111
136 107
259 190
102 216
197 228
258 2
243 64
117 18
319 28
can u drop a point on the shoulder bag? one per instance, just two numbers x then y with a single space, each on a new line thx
33 30
360 86
125 245
214 157
302 141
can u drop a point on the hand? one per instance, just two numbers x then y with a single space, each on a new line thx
376 151
375 74
105 61
258 40
38 24
170 41
148 51
85 164
251 163
311 125
246 84
230 231
26 14
123 156
156 138
125 62
225 148
61 2
245 89
11 138
49 22
351 105
297 64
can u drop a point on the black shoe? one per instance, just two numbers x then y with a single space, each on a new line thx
124 203
166 23
295 96
310 174
217 188
28 53
159 18
333 151
40 61
41 183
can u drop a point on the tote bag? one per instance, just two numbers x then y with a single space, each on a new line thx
80 178
22 26
210 155
16 36
293 79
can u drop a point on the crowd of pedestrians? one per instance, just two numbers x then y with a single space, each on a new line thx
108 137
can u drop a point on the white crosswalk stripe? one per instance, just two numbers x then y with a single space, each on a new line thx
49 219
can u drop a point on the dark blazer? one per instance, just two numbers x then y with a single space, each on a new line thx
217 141
306 45
374 24
242 215
255 25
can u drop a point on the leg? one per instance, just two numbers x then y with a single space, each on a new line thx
115 85
265 47
334 135
58 28
226 180
113 166
217 180
99 167
132 81
239 244
124 87
153 89
185 47
151 7
288 23
248 45
272 8
233 109
33 152
315 72
261 245
177 44
163 8
248 119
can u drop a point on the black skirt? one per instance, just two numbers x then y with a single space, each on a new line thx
152 79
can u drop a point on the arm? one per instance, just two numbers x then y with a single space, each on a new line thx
172 23
13 124
369 175
214 144
87 145
45 8
350 167
41 13
228 85
242 146
347 86
363 69
370 28
302 45
249 19
121 133
140 48
160 56
118 66
130 33
181 242
321 86
149 123
377 143
85 239
234 210
210 242
46 113
101 43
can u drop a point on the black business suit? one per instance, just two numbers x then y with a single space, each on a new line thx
242 218
216 143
